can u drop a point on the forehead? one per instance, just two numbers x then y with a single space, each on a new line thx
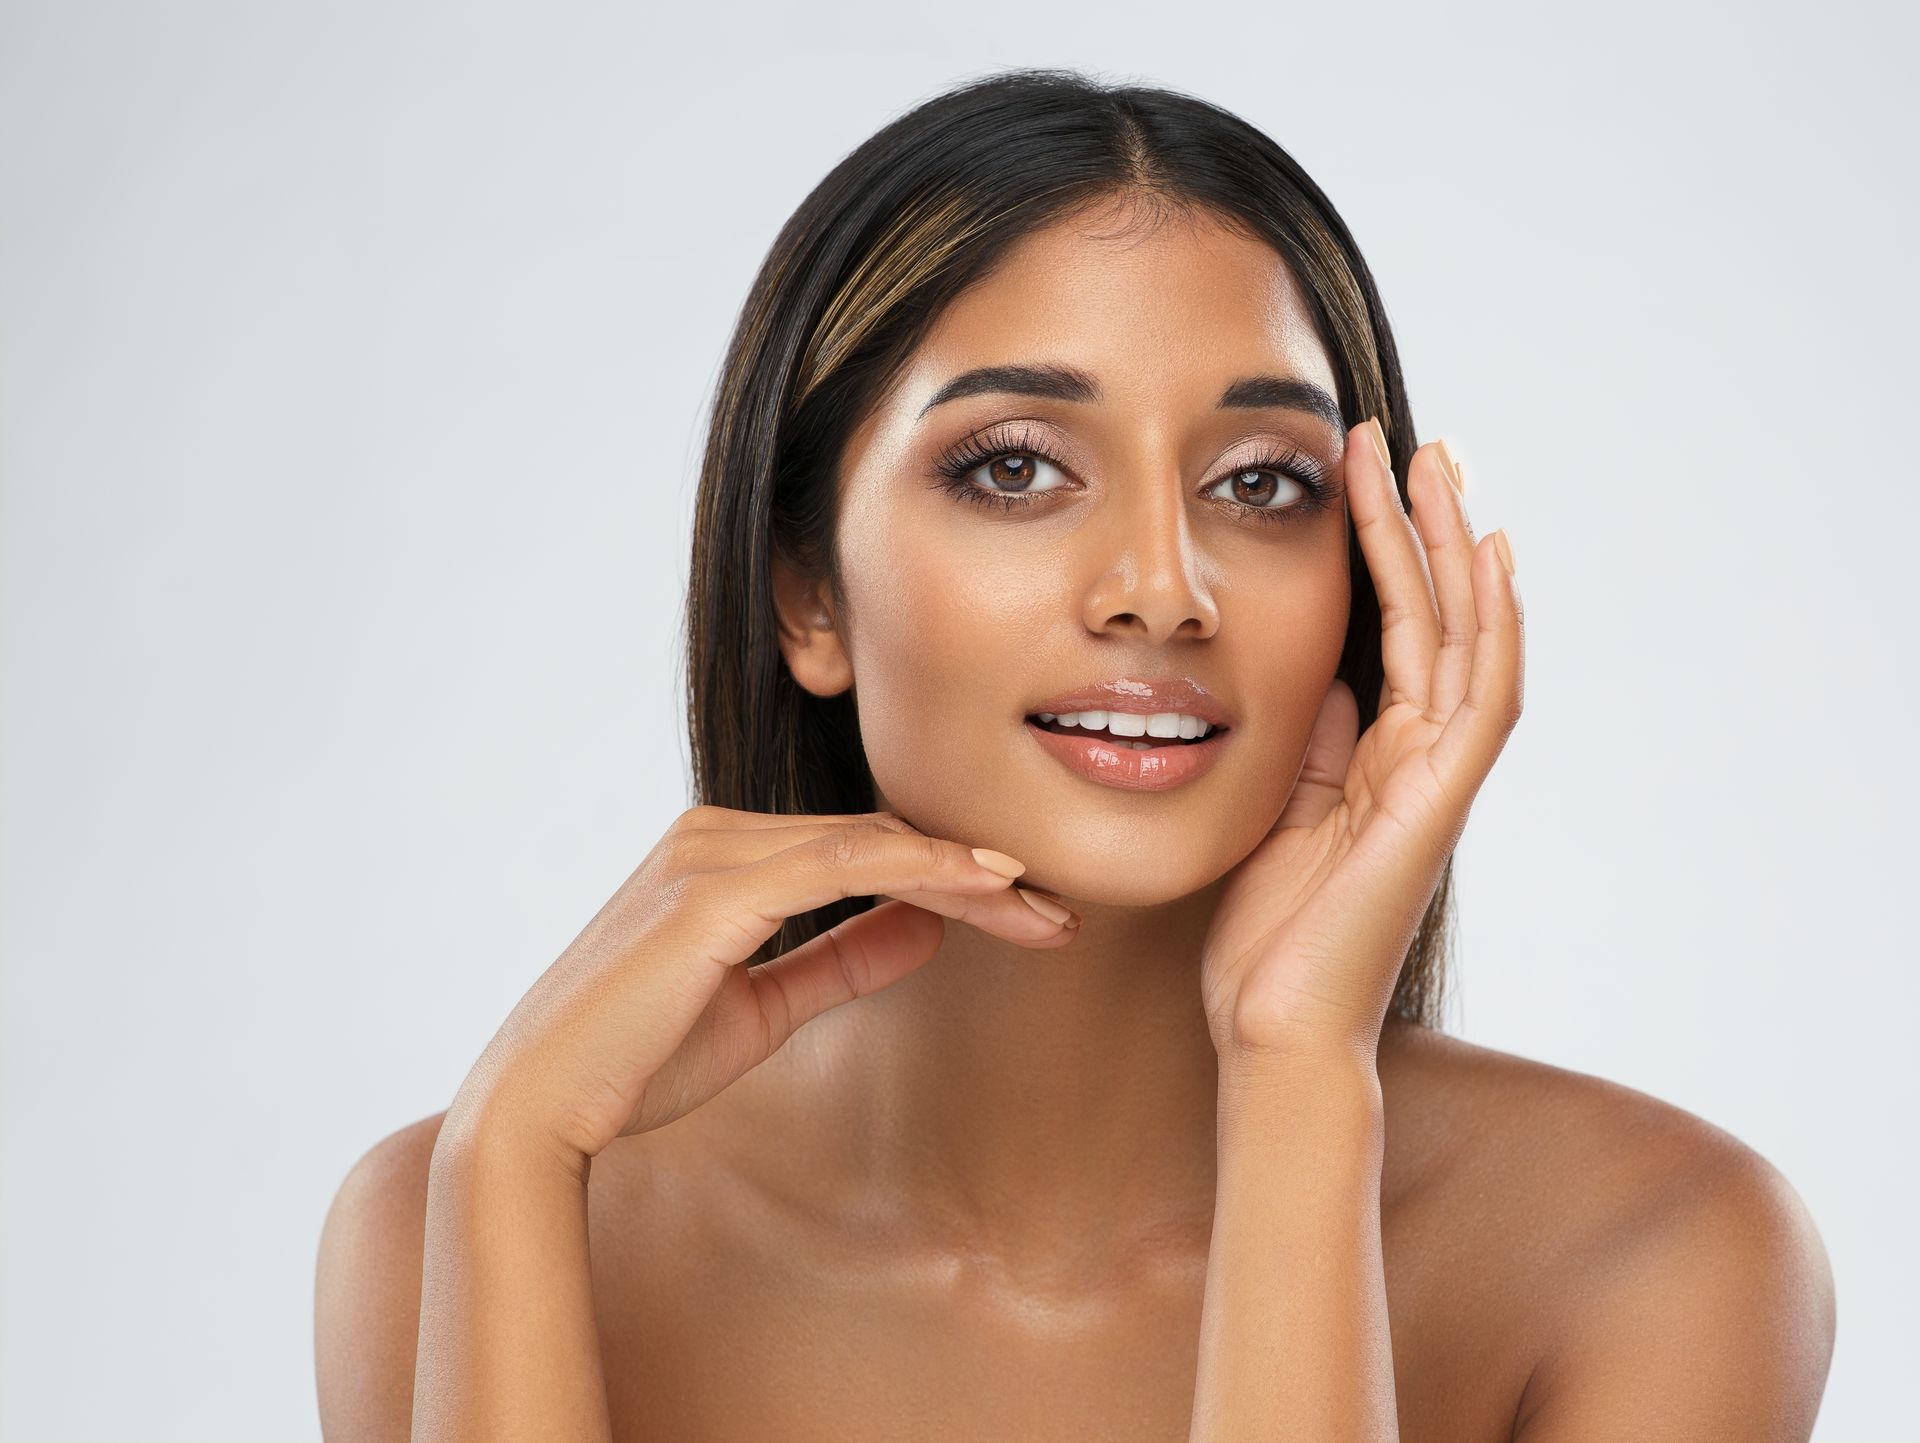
1159 312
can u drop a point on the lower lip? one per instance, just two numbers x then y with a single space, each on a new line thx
1098 759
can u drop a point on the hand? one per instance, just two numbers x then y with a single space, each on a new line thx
1311 928
648 1014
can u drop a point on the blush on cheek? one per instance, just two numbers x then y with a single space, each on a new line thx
930 689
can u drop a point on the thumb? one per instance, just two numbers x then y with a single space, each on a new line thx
1323 771
868 951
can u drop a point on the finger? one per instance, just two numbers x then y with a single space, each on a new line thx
858 957
1468 744
1409 623
709 817
1007 914
1440 514
735 838
746 904
758 835
1323 771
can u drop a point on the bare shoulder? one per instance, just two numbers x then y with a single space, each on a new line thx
1604 1159
367 1287
1682 1286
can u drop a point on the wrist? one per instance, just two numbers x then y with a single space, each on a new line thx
489 1129
1338 1080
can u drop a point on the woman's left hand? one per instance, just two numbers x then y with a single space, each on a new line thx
1311 928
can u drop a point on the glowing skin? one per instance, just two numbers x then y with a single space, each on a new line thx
960 618
961 614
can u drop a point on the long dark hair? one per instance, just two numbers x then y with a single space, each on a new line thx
898 229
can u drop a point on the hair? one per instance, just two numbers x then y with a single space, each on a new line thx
853 282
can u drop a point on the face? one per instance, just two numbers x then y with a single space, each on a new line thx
1001 548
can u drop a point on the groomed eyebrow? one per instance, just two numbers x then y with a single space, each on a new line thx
1067 383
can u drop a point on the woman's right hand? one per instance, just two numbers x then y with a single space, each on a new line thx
648 1013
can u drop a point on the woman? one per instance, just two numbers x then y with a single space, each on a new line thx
1062 503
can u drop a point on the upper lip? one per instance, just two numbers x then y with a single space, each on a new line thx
1140 697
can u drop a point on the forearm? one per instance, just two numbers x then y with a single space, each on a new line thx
508 1346
1293 1328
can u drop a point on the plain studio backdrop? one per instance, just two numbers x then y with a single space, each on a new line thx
353 361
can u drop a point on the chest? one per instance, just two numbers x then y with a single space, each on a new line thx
714 1331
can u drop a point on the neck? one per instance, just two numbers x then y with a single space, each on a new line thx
1028 1104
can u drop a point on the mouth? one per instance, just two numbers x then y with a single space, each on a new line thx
1121 737
1144 763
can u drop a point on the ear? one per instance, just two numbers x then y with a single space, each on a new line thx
809 635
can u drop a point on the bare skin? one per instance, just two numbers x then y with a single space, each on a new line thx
1096 1340
978 1203
746 1286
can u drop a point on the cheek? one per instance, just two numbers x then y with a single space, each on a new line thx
1285 672
952 628
942 639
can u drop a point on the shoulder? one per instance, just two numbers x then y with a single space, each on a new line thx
1684 1289
367 1286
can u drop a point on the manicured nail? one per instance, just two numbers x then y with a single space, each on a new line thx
1449 465
998 862
1048 908
1505 548
1380 442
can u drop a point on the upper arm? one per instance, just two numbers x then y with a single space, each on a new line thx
366 1322
1711 1320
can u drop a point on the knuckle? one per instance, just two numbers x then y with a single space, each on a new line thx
694 818
690 852
842 847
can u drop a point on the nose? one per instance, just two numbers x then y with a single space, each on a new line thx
1147 578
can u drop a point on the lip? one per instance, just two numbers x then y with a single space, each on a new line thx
1141 697
1099 759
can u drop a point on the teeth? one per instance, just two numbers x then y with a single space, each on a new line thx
1132 724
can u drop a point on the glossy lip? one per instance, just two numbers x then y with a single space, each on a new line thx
1098 758
1139 697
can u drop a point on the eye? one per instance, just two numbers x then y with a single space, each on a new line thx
1004 469
1278 487
996 471
1256 486
1012 471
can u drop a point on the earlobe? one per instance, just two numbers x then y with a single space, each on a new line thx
809 634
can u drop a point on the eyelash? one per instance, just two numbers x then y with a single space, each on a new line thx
959 462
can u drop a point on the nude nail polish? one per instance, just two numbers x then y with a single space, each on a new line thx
1380 442
1048 908
1505 548
998 862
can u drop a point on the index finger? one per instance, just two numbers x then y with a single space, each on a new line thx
1409 617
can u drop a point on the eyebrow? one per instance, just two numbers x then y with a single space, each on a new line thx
1066 383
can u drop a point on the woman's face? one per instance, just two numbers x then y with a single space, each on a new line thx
1114 533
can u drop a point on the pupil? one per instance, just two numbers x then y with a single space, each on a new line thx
1258 487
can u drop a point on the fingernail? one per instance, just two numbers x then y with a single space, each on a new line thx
1505 548
1380 442
1449 465
1048 908
998 862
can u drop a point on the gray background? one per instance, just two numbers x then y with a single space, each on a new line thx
352 366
